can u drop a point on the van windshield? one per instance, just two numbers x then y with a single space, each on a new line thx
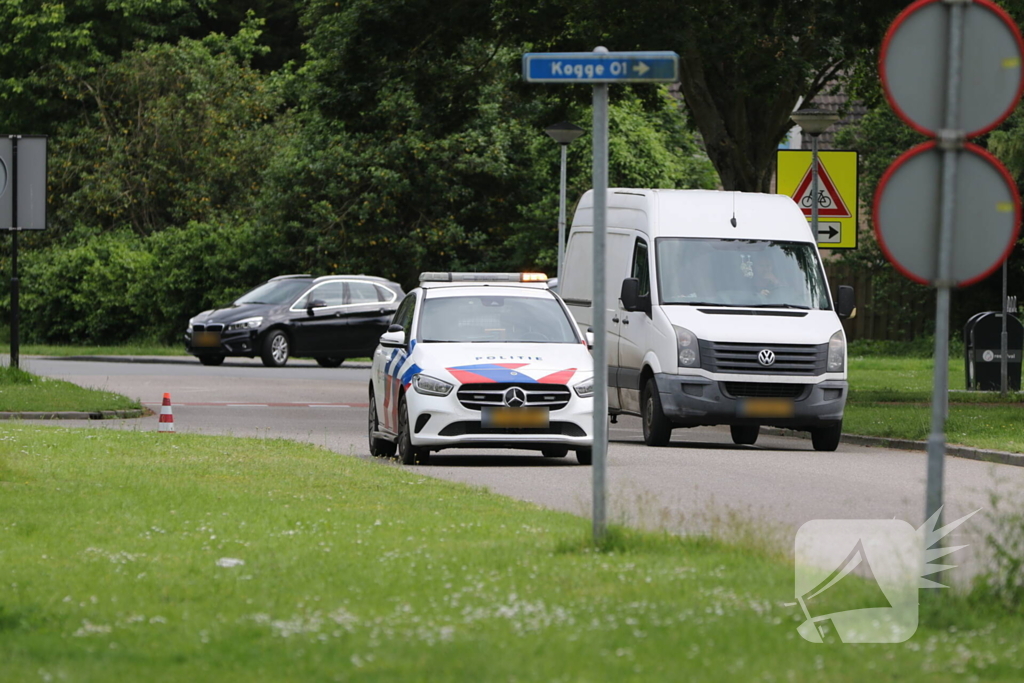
746 273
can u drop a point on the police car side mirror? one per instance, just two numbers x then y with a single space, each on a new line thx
846 302
590 339
393 338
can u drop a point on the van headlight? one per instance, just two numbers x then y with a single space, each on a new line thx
247 324
686 343
836 353
431 386
584 389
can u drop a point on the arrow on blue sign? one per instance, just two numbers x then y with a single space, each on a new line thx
601 67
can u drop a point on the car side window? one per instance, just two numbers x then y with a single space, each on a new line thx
331 293
384 294
641 267
404 315
361 293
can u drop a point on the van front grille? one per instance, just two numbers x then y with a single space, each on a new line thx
764 390
742 358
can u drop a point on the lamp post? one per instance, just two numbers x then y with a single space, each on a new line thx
563 133
814 122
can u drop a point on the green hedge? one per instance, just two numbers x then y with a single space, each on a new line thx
115 287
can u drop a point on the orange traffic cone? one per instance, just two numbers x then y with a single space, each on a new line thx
166 416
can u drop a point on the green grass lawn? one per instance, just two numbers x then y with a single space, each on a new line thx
22 391
891 397
153 557
121 350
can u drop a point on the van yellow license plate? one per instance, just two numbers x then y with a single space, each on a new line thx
206 339
514 417
766 407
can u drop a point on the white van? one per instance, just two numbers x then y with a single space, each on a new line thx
719 313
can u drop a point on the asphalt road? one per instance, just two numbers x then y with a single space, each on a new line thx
700 481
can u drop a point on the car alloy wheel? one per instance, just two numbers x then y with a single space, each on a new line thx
276 349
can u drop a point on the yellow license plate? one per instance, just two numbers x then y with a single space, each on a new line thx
766 407
206 339
515 417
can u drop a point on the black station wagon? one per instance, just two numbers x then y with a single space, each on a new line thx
328 318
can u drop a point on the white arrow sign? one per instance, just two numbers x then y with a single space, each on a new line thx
641 68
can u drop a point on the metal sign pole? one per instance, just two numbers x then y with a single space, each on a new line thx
814 187
600 464
951 140
15 294
1004 344
561 215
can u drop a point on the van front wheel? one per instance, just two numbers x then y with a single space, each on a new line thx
657 428
827 438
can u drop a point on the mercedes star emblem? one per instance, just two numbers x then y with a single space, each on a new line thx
515 397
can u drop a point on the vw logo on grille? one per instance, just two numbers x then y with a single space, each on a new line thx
514 397
766 357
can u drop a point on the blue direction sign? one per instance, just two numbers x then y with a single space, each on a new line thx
601 67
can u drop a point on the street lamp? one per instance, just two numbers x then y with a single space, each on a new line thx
814 122
563 133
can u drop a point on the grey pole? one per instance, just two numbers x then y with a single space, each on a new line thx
15 281
951 141
814 187
561 216
1004 344
600 312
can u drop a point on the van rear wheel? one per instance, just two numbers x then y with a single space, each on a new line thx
657 428
744 435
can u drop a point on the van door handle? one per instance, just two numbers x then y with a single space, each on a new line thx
625 321
615 319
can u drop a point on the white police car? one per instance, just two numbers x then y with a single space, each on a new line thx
481 360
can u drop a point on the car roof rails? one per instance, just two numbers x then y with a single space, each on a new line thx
289 277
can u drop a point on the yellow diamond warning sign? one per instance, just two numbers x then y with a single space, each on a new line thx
836 197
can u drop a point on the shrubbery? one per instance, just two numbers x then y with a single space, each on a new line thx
116 287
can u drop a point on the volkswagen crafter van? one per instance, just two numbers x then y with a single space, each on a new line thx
718 313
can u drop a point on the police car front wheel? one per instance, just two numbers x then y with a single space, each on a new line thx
407 453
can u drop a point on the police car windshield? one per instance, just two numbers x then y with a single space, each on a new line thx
277 292
488 319
744 273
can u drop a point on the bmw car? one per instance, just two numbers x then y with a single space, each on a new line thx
481 360
327 318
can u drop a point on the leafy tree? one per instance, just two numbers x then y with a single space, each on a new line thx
167 134
745 64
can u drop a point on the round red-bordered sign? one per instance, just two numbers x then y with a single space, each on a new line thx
912 66
907 214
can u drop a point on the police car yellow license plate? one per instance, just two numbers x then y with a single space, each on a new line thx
514 417
766 407
206 339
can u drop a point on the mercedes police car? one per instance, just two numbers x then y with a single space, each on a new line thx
481 360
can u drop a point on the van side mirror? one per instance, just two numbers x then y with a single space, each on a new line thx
846 302
630 296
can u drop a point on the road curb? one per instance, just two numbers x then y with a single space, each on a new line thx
75 415
185 360
984 455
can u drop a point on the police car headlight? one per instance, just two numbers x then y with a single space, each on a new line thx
836 352
584 389
247 324
689 353
431 386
